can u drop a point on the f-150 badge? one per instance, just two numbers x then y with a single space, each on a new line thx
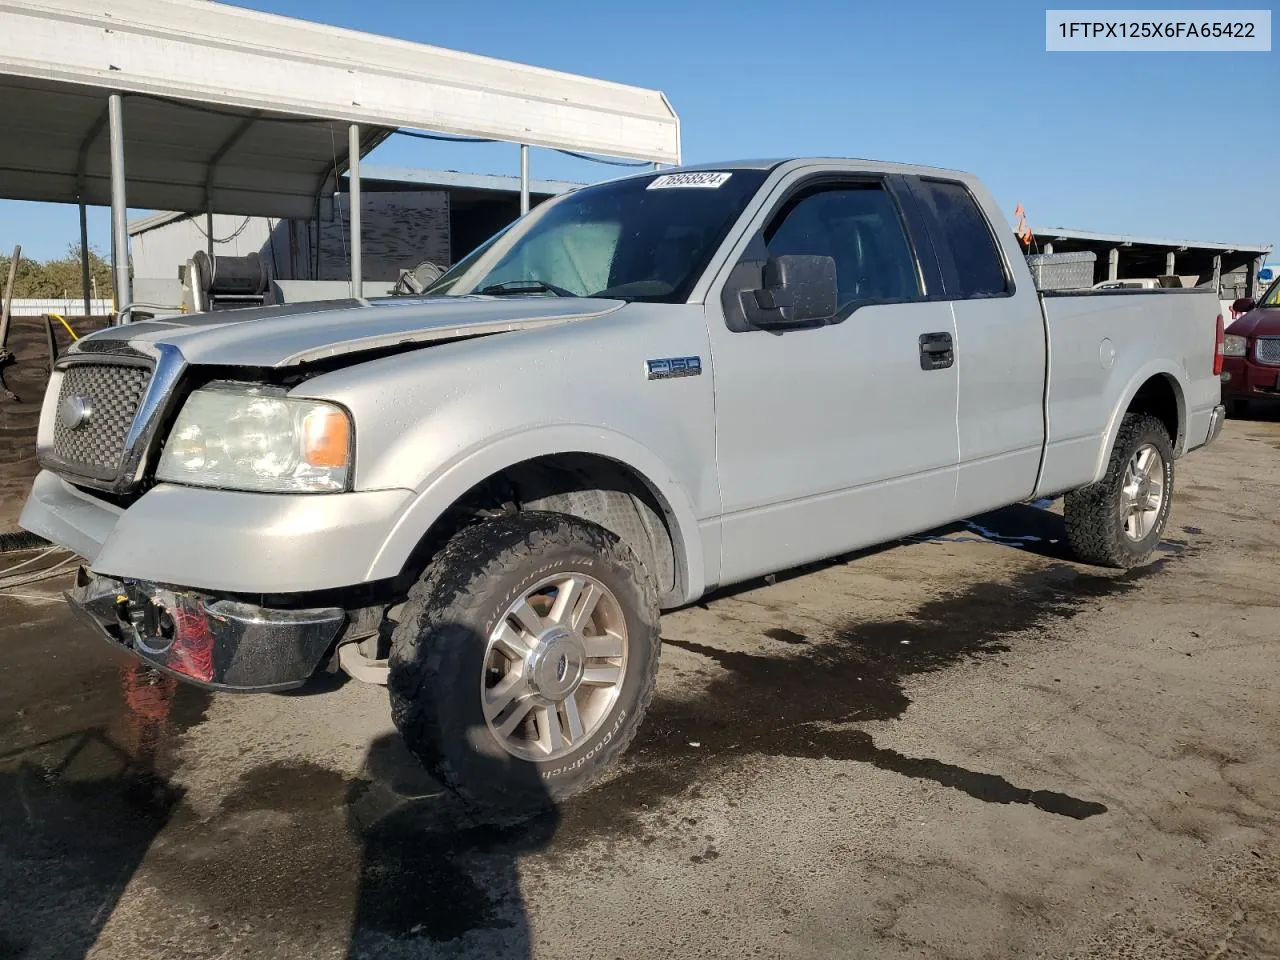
669 367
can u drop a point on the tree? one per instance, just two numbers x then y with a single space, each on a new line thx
58 278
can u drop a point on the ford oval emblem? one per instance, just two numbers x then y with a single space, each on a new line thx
75 411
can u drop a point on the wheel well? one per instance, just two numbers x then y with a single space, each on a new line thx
1159 398
587 486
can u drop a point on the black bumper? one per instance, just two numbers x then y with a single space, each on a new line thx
213 643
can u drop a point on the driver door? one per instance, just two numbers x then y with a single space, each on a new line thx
834 436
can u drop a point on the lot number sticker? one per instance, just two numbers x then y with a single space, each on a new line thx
705 179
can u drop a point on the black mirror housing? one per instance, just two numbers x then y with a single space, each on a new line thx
797 291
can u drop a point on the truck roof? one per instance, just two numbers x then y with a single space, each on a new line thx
770 164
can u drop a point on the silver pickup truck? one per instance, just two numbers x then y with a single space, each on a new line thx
640 391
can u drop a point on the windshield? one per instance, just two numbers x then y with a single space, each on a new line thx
643 238
1272 297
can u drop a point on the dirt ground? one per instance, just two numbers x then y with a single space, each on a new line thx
962 746
26 378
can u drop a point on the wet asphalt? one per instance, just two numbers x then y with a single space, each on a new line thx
961 745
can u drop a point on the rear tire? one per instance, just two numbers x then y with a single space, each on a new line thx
525 659
1118 521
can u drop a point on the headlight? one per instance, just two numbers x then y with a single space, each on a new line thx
244 437
1234 345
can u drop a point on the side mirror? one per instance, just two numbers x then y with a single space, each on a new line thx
1243 305
798 290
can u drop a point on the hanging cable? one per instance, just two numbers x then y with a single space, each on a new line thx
449 138
610 163
342 229
227 239
446 138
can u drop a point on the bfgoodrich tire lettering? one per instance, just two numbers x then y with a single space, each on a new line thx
442 652
1096 514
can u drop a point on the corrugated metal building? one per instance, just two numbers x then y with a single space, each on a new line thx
408 216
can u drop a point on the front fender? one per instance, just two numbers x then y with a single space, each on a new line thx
444 488
1156 368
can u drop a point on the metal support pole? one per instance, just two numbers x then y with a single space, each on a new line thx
1217 275
1170 263
1251 277
208 226
84 257
1048 248
524 179
119 208
1113 264
353 175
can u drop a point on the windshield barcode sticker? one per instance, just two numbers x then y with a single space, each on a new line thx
706 179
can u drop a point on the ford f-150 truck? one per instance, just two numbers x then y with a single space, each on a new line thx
638 392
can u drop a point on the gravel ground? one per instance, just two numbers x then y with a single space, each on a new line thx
963 745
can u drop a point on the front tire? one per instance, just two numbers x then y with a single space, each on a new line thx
1118 521
524 659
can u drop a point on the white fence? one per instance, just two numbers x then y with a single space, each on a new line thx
66 308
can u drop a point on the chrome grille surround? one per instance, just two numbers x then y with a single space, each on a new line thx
1267 350
120 395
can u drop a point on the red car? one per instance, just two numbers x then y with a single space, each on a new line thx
1251 348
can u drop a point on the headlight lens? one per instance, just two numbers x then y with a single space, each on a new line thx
244 437
1234 345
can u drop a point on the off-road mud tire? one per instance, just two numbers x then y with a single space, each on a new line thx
1095 525
438 650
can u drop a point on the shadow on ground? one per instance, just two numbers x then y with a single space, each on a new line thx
385 861
390 865
806 698
79 810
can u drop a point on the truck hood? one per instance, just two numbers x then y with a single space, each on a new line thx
1258 322
308 332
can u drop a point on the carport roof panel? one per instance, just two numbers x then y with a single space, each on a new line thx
195 50
54 147
1119 239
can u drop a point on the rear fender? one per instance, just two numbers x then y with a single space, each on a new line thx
1156 368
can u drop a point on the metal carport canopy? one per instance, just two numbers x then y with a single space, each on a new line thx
214 96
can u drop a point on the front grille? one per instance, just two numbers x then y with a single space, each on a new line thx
107 397
1267 350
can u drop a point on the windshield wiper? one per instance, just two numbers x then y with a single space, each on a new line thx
523 286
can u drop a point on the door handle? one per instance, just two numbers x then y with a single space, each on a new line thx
937 352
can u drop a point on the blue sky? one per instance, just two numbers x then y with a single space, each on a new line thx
1180 145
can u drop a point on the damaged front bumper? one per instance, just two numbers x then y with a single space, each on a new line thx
216 643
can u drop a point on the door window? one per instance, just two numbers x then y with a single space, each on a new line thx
977 269
859 227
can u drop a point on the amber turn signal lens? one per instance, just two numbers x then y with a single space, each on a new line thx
326 438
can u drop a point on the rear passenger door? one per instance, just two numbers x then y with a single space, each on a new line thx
833 436
1000 346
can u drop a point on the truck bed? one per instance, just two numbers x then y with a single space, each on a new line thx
1099 348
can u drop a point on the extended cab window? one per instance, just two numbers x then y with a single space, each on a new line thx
977 269
858 226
